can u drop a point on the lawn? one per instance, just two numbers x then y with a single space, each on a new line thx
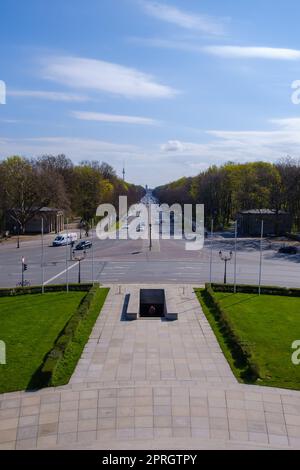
29 325
268 325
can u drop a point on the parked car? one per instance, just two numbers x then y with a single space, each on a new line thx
288 250
65 239
84 245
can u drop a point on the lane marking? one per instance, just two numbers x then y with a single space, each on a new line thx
60 274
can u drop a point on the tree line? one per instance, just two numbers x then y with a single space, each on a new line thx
233 187
28 184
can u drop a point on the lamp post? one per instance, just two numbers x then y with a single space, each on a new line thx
79 259
18 234
150 229
225 258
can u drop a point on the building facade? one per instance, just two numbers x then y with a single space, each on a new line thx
53 222
276 223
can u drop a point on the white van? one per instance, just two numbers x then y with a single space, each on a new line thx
65 239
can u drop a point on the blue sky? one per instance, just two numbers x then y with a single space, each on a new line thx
169 87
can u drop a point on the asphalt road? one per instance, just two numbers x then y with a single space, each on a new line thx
131 261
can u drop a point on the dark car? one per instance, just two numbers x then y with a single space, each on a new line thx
288 250
84 245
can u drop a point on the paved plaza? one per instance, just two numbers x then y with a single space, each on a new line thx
151 384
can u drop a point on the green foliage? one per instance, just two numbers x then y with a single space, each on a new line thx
13 292
30 325
251 289
234 187
27 185
256 332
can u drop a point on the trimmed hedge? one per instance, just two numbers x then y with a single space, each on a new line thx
8 292
43 377
241 348
250 289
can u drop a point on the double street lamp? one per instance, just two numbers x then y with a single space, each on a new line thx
226 258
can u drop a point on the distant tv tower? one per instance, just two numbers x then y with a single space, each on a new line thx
123 172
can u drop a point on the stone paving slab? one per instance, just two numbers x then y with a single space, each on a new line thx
151 384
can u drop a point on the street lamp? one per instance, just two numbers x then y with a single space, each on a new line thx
150 227
18 235
79 259
225 258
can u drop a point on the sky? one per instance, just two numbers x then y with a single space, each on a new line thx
166 88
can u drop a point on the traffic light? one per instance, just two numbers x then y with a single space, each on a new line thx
25 267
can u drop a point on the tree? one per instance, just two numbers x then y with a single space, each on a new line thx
24 195
27 185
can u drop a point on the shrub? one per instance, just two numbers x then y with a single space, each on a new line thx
7 292
250 289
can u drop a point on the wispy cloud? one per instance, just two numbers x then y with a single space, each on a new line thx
170 14
97 75
48 95
162 43
240 146
240 52
225 52
114 118
288 124
77 148
10 121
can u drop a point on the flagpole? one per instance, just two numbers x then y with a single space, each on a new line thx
261 256
93 251
235 256
43 263
211 249
67 257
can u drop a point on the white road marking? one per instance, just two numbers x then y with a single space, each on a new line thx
60 274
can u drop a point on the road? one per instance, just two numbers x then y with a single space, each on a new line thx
131 261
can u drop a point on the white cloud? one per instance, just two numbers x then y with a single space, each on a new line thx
170 14
173 146
75 148
48 95
114 118
288 124
154 165
161 43
237 52
225 52
91 74
239 146
10 121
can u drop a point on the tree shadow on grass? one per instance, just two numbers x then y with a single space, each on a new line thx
37 381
